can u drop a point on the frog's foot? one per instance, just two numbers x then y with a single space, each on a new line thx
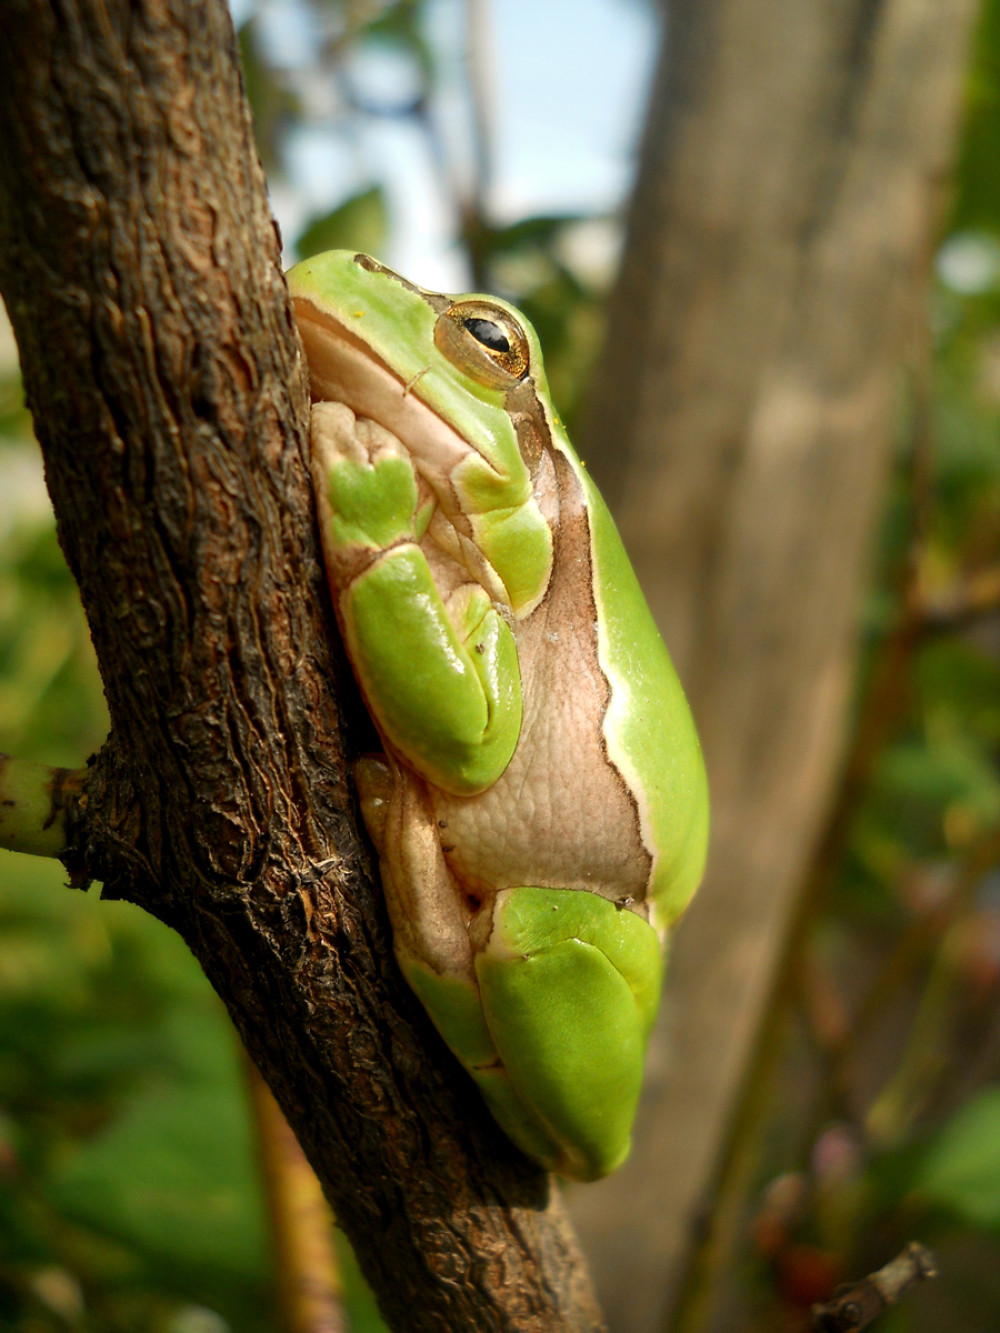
554 1026
369 495
568 985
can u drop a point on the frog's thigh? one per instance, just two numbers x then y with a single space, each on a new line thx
447 695
568 983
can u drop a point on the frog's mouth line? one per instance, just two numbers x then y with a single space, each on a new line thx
340 354
345 369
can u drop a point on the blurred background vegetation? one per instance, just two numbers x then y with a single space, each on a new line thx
129 1194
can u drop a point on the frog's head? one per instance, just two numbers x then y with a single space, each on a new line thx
459 379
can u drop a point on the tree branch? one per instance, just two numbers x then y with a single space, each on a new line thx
856 1304
141 271
34 803
743 418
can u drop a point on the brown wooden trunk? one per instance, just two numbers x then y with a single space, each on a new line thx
776 260
141 271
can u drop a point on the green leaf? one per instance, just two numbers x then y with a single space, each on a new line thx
961 1169
170 1179
358 224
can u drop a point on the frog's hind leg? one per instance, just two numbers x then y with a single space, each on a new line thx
568 983
430 918
546 996
428 912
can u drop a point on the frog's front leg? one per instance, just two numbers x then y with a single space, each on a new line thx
438 666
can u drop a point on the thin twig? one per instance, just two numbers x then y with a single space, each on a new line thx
974 596
925 1055
856 1304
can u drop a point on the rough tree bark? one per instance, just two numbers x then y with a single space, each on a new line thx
141 271
778 242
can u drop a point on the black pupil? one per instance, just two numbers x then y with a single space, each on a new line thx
489 334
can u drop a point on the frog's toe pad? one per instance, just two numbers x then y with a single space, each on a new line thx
568 983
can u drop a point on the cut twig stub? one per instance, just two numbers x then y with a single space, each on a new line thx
856 1304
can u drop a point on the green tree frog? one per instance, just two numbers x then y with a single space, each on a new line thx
540 811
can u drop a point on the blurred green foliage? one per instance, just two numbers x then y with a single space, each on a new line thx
977 193
128 1191
960 1169
128 1197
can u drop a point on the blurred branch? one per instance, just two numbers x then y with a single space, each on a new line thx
301 1223
744 426
927 1047
975 596
856 1305
883 708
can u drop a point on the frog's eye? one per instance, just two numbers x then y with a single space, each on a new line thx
485 341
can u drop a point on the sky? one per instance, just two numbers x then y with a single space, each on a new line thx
570 79
569 82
